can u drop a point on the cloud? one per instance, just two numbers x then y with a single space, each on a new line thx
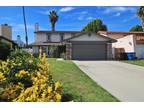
118 9
84 12
21 27
5 18
80 18
117 14
90 18
66 9
44 12
129 19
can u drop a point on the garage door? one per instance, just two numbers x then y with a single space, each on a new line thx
139 49
89 51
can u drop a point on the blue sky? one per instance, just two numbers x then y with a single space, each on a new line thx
70 18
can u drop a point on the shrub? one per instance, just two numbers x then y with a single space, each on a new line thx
42 88
4 50
63 55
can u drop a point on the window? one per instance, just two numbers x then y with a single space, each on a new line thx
48 37
61 37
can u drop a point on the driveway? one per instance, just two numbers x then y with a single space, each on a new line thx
122 80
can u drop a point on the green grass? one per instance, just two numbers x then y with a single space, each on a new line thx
135 62
78 84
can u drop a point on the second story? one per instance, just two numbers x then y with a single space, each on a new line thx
53 36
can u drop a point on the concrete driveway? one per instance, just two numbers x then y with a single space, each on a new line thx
122 80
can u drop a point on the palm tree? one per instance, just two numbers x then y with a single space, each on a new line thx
25 25
53 17
140 14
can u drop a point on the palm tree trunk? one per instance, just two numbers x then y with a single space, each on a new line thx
53 26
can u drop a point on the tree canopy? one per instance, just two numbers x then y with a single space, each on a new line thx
137 28
95 26
140 13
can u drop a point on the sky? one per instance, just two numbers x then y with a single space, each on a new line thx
70 18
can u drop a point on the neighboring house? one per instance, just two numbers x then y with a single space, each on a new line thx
9 42
6 35
19 41
6 43
79 45
6 31
5 46
127 42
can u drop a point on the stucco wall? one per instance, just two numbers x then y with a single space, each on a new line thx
35 49
126 42
55 37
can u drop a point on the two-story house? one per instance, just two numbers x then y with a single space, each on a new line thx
79 45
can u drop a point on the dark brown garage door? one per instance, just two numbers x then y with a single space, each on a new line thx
88 51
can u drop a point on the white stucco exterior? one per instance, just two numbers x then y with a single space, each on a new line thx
129 44
54 37
126 42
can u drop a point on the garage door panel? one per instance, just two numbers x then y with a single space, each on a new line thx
89 51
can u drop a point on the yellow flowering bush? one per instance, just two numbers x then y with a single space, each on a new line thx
2 77
22 73
11 91
42 89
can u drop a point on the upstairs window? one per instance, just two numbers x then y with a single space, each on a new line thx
61 37
48 37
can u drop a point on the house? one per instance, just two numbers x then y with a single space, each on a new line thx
127 42
6 43
79 45
6 35
9 42
6 31
19 41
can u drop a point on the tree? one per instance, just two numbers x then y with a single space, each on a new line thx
95 26
137 28
140 14
53 17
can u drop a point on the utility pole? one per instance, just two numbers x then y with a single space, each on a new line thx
25 26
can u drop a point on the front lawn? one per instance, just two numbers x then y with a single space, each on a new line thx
77 85
135 62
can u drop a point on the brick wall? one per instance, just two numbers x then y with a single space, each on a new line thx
68 51
109 51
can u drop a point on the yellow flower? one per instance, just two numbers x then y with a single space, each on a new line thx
58 96
2 77
57 85
22 73
49 89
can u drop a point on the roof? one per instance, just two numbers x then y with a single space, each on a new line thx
46 43
2 37
82 33
57 31
119 32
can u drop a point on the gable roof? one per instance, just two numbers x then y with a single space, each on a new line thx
82 33
57 31
119 32
2 37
